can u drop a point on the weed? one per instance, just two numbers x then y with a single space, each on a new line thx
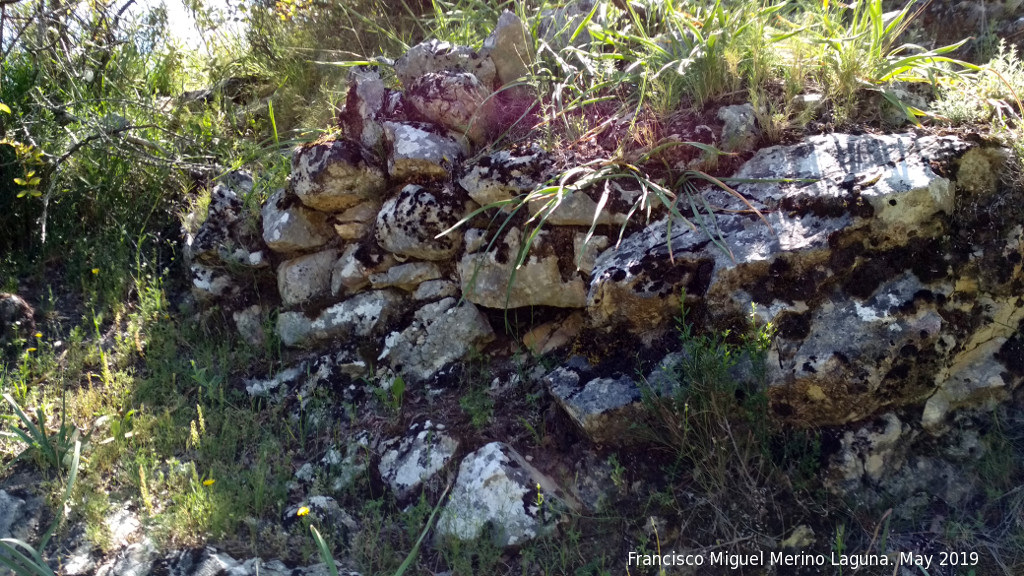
53 450
392 395
478 405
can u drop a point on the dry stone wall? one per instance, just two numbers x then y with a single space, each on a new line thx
874 256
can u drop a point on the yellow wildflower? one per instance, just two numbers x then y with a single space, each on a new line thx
208 482
39 334
302 511
95 271
31 350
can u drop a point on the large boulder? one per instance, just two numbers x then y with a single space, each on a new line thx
332 175
872 191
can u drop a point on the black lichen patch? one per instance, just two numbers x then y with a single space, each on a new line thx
793 326
788 283
827 206
923 257
1011 353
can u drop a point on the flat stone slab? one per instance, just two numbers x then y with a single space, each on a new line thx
360 316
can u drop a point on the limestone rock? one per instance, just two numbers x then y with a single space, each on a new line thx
220 230
980 170
361 316
306 278
357 264
406 276
335 371
551 336
342 464
441 332
455 100
579 208
878 191
249 323
355 222
871 453
987 366
505 174
603 407
739 127
332 175
586 251
433 290
363 106
497 487
325 512
510 48
351 230
19 517
288 226
419 152
135 560
409 223
486 277
209 284
435 56
858 356
207 561
409 461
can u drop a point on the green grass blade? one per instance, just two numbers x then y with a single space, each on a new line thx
411 557
325 552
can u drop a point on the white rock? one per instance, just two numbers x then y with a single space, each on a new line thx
441 332
498 487
409 461
421 152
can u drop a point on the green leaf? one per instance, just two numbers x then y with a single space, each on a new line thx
5 108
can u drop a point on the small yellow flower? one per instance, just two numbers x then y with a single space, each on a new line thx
39 334
95 271
302 511
31 350
208 482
